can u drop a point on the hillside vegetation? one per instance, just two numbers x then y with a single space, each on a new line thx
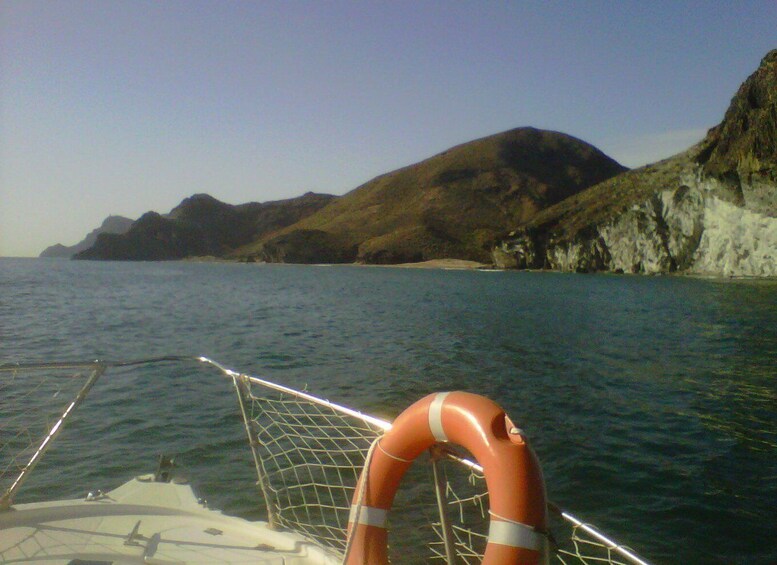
455 204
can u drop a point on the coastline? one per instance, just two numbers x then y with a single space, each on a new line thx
449 264
446 264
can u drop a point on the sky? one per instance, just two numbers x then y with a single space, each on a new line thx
121 107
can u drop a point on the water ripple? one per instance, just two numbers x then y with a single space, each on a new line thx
650 401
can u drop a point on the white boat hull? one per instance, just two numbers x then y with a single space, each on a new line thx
144 521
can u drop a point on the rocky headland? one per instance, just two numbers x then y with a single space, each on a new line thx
111 224
201 226
711 210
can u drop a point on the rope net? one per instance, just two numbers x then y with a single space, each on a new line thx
309 458
571 541
309 455
34 401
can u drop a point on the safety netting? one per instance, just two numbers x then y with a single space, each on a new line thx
309 453
570 540
308 457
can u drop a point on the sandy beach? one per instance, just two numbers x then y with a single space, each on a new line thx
455 264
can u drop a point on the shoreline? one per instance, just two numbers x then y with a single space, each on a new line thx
445 264
448 265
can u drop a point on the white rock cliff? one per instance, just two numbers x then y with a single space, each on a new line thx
691 229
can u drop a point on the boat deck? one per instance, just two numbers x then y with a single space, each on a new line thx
144 521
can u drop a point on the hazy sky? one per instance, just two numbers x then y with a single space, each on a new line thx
123 107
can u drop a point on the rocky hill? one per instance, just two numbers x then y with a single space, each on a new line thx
202 226
111 224
710 210
452 205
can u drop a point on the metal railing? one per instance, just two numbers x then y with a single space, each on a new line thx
26 454
274 423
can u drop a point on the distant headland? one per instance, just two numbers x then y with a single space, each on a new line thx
112 224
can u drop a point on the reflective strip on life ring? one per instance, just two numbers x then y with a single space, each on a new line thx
368 516
435 417
513 476
514 535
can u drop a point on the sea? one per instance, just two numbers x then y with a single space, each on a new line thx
651 401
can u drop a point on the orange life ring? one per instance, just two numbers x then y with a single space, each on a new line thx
516 488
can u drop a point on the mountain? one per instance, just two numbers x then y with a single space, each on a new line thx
452 205
201 226
711 210
111 224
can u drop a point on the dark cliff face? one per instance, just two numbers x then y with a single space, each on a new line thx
455 204
151 238
741 152
201 225
711 209
746 141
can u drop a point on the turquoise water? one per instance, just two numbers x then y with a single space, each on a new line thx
651 402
